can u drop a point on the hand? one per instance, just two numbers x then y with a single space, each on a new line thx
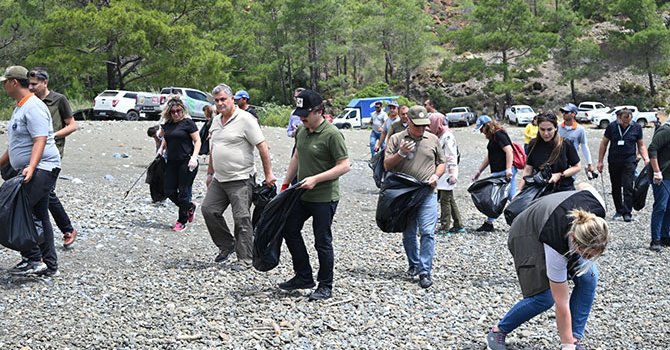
432 180
308 183
646 161
452 180
658 177
589 168
27 174
555 178
377 147
475 177
407 147
159 153
508 173
208 181
600 167
192 164
270 180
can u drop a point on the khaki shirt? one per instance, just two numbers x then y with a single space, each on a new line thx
60 110
232 146
422 162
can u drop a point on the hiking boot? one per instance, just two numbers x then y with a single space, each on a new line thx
191 212
496 340
425 281
627 217
411 273
459 229
49 272
68 238
655 246
179 227
485 227
27 267
321 293
665 241
223 255
296 283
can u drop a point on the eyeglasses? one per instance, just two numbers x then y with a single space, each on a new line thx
177 111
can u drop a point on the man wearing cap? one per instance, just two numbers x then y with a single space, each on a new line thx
393 118
626 142
377 119
242 100
32 151
417 153
231 175
64 124
571 130
319 160
432 109
400 125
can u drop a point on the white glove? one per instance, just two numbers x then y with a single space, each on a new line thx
192 164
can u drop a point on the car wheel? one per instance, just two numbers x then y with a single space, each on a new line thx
132 116
346 126
642 123
603 124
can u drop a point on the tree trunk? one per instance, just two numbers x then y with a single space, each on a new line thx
652 88
313 60
572 91
508 94
408 77
345 66
111 74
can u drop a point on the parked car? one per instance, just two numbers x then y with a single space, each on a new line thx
115 104
603 119
461 115
358 111
152 105
519 114
587 109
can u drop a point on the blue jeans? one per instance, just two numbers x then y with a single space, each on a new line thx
374 136
424 219
512 189
581 301
660 214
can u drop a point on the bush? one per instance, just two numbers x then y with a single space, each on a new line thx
274 115
373 90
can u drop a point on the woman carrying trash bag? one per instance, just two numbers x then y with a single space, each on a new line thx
555 240
549 149
499 157
182 141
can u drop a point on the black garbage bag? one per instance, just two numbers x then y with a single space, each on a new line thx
641 187
399 197
376 163
156 179
521 201
269 231
7 172
17 225
490 195
204 138
261 195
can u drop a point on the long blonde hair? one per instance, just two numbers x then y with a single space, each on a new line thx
590 233
173 100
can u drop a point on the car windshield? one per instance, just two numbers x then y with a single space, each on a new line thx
458 110
524 110
109 93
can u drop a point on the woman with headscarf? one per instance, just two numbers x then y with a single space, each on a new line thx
447 182
182 142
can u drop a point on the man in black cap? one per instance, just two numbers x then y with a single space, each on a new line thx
64 124
319 160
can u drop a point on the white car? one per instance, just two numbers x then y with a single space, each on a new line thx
519 114
603 119
587 109
115 104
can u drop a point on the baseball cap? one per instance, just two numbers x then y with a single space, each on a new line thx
570 108
481 121
419 116
393 103
306 101
15 72
241 94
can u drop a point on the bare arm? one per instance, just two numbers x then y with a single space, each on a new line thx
561 294
39 143
264 152
4 159
642 149
292 170
601 153
70 127
195 136
527 171
341 167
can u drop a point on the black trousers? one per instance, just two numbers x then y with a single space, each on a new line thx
38 190
622 176
58 212
178 182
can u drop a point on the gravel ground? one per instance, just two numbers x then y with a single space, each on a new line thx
132 283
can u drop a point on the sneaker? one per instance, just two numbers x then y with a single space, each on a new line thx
655 246
442 232
296 283
191 212
411 273
68 238
579 346
616 216
28 268
459 229
496 340
239 267
223 255
485 227
321 293
665 241
425 281
48 273
179 227
627 217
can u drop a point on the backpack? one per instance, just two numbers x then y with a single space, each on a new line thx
519 160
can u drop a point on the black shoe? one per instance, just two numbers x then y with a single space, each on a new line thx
486 227
655 246
665 241
223 255
627 217
411 273
296 283
49 272
425 281
321 293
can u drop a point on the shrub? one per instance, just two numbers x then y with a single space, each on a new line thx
274 115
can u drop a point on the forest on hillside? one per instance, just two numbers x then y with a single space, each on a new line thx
342 48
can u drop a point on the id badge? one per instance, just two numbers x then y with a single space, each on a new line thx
620 143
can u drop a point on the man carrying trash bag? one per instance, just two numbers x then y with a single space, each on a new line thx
418 154
32 151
